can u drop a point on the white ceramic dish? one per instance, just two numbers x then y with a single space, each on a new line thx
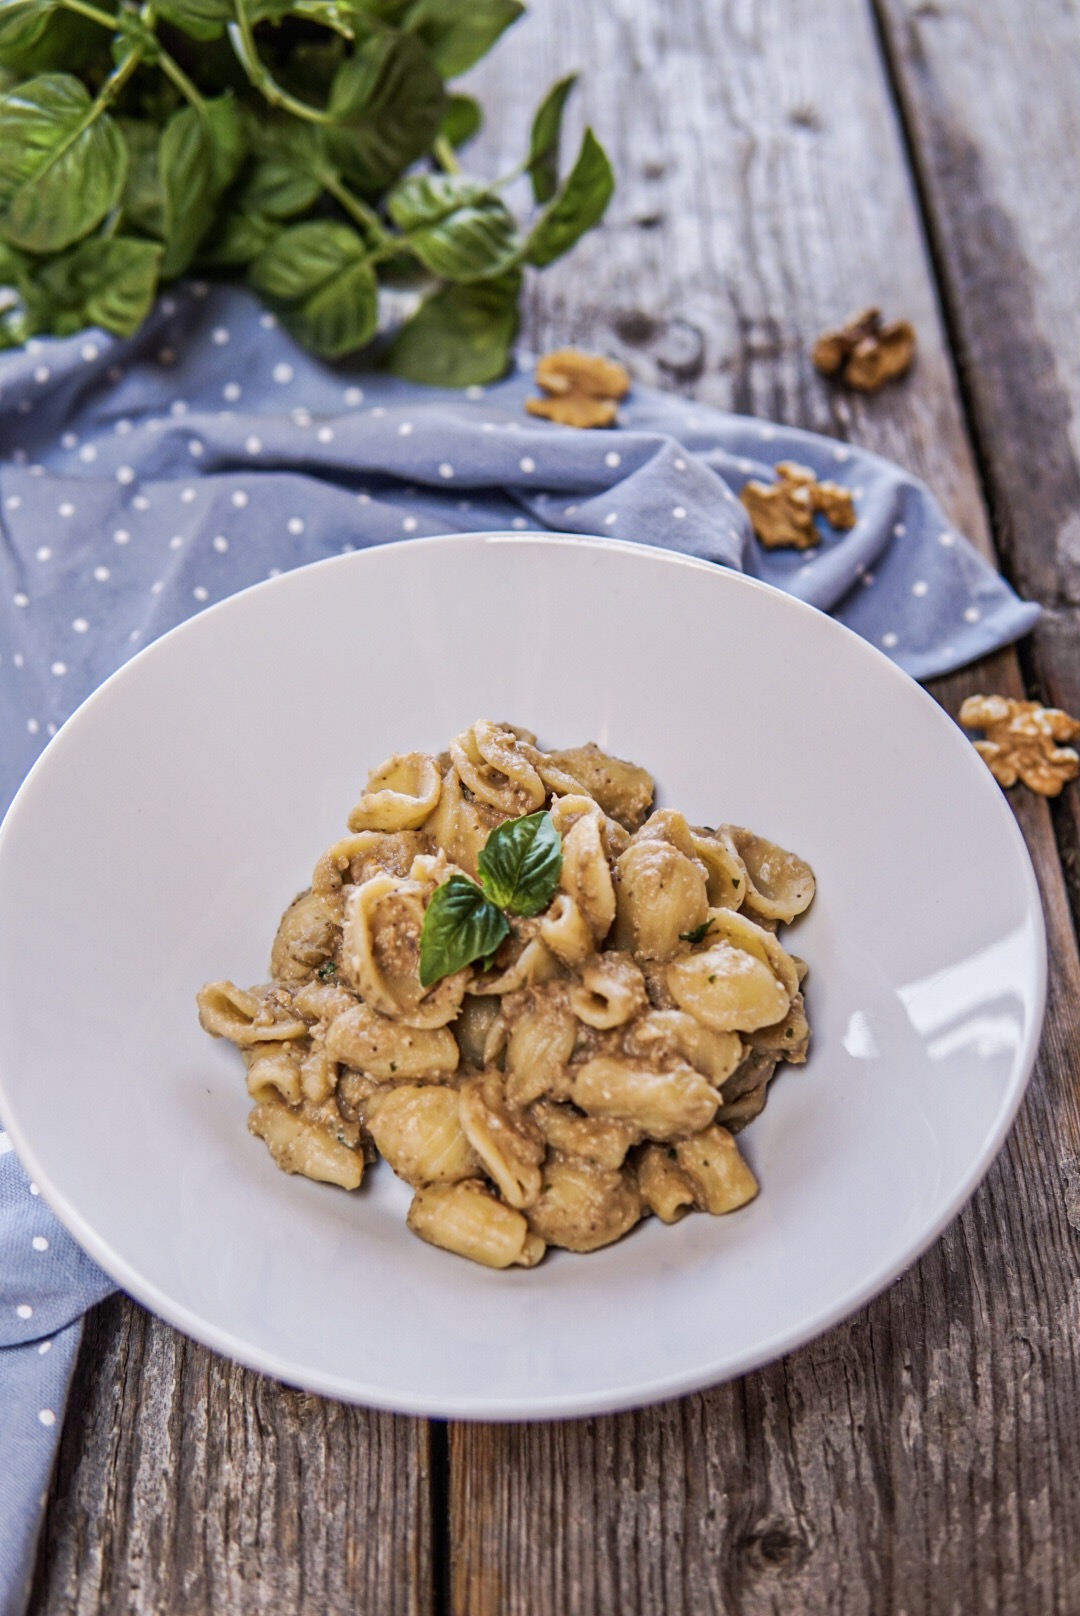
164 829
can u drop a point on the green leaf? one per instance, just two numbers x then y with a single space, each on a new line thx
62 163
455 226
186 169
387 103
460 335
520 863
105 283
461 120
696 934
458 35
201 19
578 205
280 190
142 203
545 138
229 142
23 24
237 238
460 925
320 274
36 36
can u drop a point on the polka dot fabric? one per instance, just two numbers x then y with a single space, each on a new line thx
143 480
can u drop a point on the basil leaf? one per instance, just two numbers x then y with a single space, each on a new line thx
62 163
387 102
458 35
461 120
201 19
545 138
37 36
320 273
280 190
459 336
696 934
186 168
578 205
23 24
455 226
141 202
237 239
228 141
107 283
520 863
460 925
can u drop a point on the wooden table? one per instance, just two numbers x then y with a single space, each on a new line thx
781 162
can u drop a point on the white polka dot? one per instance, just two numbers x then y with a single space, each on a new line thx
50 729
20 599
841 453
18 659
13 502
410 524
239 498
231 392
302 417
102 574
283 374
195 448
168 305
920 588
122 427
363 499
268 321
680 464
125 474
59 669
446 469
24 1310
40 1243
44 1347
611 518
157 586
70 440
378 410
899 530
80 625
464 505
354 396
275 572
571 510
947 539
612 458
221 544
42 374
134 635
972 614
679 512
519 522
219 335
33 726
46 1416
325 434
527 463
295 524
187 495
176 542
404 429
35 345
34 1189
66 509
867 579
141 503
166 356
475 391
889 640
200 593
253 445
178 407
88 454
43 553
766 433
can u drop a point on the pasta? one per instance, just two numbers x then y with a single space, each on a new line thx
548 1005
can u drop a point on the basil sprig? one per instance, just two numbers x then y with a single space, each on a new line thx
309 145
519 866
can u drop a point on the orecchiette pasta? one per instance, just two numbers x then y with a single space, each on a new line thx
588 1066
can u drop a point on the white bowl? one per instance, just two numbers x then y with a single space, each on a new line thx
157 840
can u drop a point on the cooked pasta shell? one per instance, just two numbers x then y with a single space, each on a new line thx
226 1011
661 895
611 991
401 793
273 1072
601 1140
461 825
376 1044
586 874
490 761
664 1035
781 885
728 989
582 1207
714 1165
468 1220
540 1041
510 1147
665 1188
664 1105
299 1147
418 1129
726 880
565 931
380 954
623 790
307 935
740 930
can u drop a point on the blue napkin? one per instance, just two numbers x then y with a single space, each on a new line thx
141 480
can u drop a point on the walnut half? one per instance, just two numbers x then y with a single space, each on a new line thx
867 352
783 512
1022 742
582 389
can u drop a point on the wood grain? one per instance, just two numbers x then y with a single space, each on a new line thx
187 1484
919 1458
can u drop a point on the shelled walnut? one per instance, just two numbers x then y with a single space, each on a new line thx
783 512
583 389
1022 742
866 352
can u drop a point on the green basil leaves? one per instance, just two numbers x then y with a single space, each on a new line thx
519 868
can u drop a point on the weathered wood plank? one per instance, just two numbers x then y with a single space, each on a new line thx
998 171
187 1484
919 1458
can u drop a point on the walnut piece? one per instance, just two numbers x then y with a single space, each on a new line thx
866 353
783 512
1022 742
583 389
